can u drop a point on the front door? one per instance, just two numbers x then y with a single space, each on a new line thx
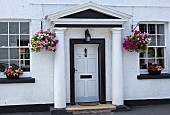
86 72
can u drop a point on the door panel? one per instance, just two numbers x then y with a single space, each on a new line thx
80 64
91 88
80 87
80 50
91 65
91 50
86 74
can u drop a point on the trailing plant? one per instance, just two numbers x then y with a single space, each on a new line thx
43 40
137 42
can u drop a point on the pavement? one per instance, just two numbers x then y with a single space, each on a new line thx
163 109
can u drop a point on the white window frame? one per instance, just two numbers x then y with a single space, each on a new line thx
145 71
26 74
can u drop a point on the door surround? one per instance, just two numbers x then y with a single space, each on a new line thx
101 68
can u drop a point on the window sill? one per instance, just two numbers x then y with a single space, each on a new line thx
161 76
20 80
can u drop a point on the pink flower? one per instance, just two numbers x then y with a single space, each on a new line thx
43 43
38 42
46 40
39 34
56 41
43 40
137 32
137 42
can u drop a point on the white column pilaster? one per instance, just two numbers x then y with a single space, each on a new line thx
117 70
59 71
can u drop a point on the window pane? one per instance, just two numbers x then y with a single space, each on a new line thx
13 27
24 53
25 65
13 40
143 28
153 41
24 28
151 28
3 53
161 40
160 52
161 62
3 65
14 54
14 63
3 27
3 40
151 52
160 29
151 61
142 55
143 63
24 40
27 53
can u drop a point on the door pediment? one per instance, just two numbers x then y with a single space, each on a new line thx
89 13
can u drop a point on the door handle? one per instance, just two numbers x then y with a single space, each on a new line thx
85 52
75 70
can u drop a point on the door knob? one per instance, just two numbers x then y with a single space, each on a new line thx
75 70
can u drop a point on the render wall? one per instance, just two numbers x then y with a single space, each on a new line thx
42 90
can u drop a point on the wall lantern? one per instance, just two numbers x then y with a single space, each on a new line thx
87 36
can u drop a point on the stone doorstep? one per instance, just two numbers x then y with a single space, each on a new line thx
92 112
77 109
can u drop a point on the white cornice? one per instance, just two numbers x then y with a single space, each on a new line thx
89 21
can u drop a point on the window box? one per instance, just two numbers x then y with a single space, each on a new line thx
20 80
147 76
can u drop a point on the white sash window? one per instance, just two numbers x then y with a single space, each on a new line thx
156 52
14 49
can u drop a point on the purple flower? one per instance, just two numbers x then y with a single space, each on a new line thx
137 42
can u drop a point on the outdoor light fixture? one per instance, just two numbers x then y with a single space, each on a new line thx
87 36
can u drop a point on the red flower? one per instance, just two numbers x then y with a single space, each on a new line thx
137 32
154 67
137 42
13 71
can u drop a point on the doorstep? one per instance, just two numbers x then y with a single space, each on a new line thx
75 109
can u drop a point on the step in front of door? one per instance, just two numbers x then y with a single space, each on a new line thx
88 104
100 108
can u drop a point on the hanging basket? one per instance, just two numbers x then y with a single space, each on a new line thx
137 42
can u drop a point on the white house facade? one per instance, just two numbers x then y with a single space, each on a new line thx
79 70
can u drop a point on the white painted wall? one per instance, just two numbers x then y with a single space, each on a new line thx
42 63
40 92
